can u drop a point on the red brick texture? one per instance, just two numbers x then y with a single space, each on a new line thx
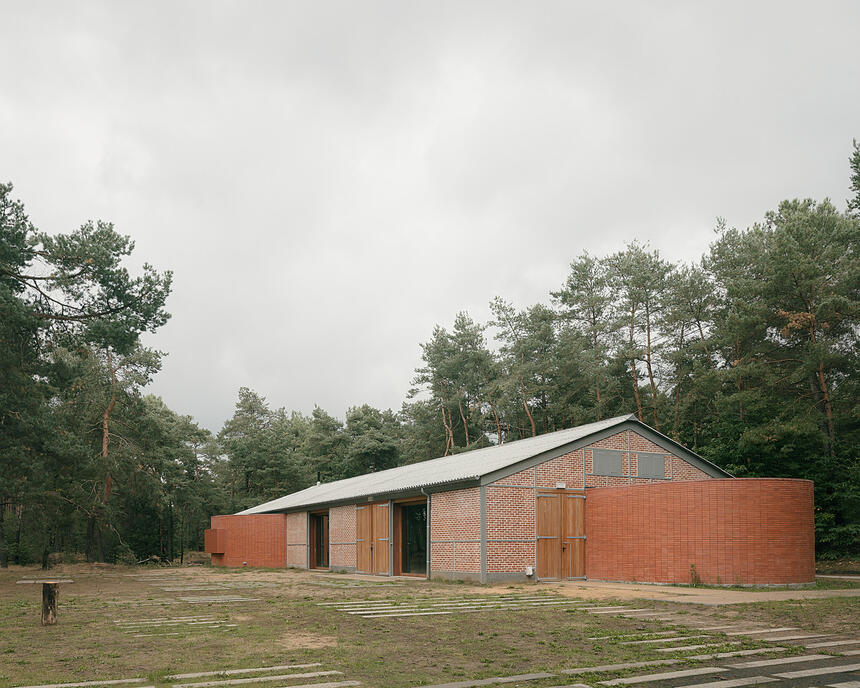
511 500
342 537
254 540
297 539
455 531
734 531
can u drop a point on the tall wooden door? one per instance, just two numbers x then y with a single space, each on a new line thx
549 535
573 545
364 538
380 538
371 523
560 535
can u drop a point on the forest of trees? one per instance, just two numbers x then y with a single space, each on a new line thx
749 356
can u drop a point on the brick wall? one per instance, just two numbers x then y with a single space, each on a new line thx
253 540
511 500
735 531
455 531
297 539
342 537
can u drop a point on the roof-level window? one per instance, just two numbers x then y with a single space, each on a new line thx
651 465
607 462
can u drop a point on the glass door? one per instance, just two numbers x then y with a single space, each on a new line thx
413 527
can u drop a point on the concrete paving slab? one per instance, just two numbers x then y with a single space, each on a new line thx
82 684
616 667
779 660
797 637
733 683
237 672
256 679
820 671
679 648
670 639
666 676
764 630
834 643
736 653
493 681
845 684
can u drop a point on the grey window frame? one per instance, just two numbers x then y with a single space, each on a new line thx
655 456
606 454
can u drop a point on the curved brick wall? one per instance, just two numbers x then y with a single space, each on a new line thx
735 531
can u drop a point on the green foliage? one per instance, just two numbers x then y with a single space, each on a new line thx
749 357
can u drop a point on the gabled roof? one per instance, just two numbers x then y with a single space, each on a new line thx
473 466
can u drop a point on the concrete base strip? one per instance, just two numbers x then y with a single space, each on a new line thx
492 681
613 611
821 671
714 628
763 630
382 616
797 637
255 679
81 684
779 660
329 684
734 683
616 667
680 648
834 643
631 635
670 639
846 684
236 672
850 652
737 653
647 678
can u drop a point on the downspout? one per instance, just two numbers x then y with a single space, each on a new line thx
428 531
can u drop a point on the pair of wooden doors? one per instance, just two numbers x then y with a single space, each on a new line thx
372 538
560 535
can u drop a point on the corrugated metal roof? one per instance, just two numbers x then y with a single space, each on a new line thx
470 465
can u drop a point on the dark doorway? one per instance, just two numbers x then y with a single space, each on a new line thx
413 528
319 541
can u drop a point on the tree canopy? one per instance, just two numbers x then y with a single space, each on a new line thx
749 356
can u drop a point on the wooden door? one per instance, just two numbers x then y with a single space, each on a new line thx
380 538
573 546
549 535
364 538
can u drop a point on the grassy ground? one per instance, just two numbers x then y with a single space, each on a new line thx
287 625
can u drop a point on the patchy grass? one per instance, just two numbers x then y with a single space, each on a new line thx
287 625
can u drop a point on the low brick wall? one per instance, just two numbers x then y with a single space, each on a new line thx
734 531
253 540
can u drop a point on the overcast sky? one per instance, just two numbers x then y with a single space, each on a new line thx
328 180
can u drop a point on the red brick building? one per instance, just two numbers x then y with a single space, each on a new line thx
612 500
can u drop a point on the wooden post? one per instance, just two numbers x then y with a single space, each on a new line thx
50 596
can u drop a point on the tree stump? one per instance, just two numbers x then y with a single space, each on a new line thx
50 597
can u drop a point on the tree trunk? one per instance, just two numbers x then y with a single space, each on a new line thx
825 392
704 343
465 424
50 597
498 424
633 368
449 433
526 407
4 554
596 371
648 365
